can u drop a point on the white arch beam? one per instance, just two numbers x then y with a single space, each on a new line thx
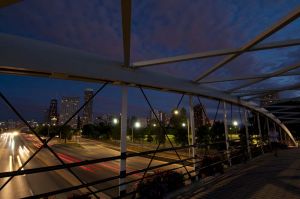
215 53
22 56
217 80
126 30
267 91
274 74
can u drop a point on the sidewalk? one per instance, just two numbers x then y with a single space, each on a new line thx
263 177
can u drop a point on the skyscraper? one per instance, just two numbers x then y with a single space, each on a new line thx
53 115
87 117
162 117
200 116
158 113
69 105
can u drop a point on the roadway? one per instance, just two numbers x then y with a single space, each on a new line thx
16 148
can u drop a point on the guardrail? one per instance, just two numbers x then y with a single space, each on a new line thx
226 155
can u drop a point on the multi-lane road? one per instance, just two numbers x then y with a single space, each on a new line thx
16 148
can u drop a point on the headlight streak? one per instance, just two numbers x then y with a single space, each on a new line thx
19 161
10 163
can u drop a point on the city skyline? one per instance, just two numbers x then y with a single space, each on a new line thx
100 33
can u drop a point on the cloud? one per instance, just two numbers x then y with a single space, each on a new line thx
160 29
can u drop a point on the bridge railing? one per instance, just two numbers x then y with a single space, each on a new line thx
193 168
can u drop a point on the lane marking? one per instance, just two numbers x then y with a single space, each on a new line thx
19 161
10 163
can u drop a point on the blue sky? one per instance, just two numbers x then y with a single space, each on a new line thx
159 29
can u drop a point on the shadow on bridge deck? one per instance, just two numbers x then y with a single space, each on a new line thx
264 177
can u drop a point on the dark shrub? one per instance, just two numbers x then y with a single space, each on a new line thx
77 196
160 184
211 165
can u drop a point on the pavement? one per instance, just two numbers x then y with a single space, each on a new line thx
167 156
15 148
266 176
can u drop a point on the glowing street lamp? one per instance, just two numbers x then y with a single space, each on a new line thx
183 124
136 125
115 121
235 123
154 125
176 112
53 120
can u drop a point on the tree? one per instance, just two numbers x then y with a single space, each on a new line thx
179 127
89 130
115 132
160 136
42 130
149 138
204 135
155 130
66 132
104 130
177 120
218 135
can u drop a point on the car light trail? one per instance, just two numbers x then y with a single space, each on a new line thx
69 159
19 161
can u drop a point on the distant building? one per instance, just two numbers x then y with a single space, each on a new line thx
106 118
269 99
46 115
53 115
166 119
69 105
11 124
32 123
200 116
87 117
160 115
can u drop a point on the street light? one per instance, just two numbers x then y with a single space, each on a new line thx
184 125
115 121
137 125
235 123
154 125
176 112
53 120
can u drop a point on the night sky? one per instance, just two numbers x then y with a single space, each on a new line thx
160 28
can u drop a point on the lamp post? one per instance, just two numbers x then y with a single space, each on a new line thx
235 124
184 125
115 122
136 125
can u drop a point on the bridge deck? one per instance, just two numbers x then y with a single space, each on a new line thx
264 177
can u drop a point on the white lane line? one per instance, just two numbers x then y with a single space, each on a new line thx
19 161
31 192
10 163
